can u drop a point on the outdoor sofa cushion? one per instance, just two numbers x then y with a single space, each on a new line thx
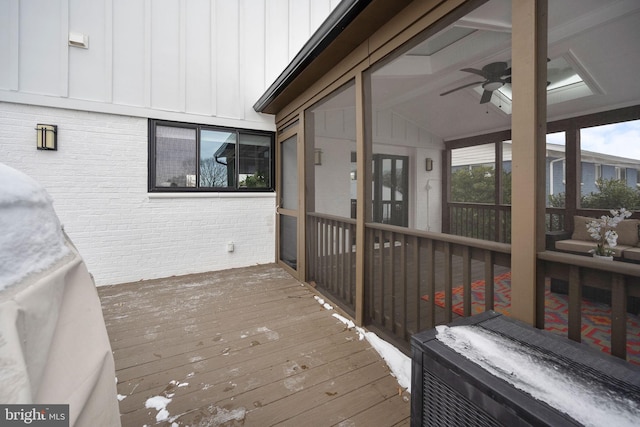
580 228
628 232
582 242
632 254
582 246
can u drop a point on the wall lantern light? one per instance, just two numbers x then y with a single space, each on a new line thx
429 164
317 156
47 137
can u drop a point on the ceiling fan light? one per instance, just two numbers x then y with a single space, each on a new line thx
491 86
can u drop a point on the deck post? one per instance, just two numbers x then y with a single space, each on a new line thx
529 65
363 172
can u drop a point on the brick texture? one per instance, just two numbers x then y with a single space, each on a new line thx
98 180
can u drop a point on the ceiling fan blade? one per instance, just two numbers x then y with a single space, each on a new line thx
461 87
486 96
507 72
481 73
495 69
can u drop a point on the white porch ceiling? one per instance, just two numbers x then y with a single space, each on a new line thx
600 40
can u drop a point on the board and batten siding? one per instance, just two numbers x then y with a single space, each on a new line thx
170 59
195 61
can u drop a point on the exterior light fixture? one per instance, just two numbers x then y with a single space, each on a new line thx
317 156
47 137
429 164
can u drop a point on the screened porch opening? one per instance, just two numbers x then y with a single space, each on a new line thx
438 157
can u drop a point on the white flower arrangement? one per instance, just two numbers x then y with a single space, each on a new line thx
602 230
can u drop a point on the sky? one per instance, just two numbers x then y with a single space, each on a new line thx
618 139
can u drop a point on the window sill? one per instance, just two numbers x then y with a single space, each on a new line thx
213 195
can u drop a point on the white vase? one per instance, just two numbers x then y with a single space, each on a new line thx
604 257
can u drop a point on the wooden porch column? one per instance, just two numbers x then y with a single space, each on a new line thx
529 71
363 208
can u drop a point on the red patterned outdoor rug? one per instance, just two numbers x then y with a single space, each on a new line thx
596 317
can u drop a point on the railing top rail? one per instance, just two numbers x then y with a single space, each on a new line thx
332 217
448 238
620 267
506 207
479 205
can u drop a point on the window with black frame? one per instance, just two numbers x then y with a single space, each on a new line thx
190 157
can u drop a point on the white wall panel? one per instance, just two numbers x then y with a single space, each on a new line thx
229 102
204 61
87 67
165 54
276 40
318 12
198 84
43 50
128 31
299 31
9 18
252 53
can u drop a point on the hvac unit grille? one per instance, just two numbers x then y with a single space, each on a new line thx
450 390
444 407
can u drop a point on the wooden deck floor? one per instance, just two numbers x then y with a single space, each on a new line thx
247 347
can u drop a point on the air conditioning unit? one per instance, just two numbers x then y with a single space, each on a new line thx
448 389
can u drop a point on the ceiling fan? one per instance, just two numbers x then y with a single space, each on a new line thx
495 75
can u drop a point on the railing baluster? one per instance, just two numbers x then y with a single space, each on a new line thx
431 279
575 304
323 238
417 297
390 281
311 223
381 270
447 282
489 272
344 261
351 264
336 257
403 285
618 316
540 295
369 276
466 280
314 248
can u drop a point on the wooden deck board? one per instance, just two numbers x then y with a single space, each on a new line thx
246 346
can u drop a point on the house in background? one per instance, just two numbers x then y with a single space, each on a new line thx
593 166
162 165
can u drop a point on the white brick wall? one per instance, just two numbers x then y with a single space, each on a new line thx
98 180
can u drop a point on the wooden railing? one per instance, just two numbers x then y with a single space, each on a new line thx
331 257
554 219
492 222
407 269
481 221
620 279
411 277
